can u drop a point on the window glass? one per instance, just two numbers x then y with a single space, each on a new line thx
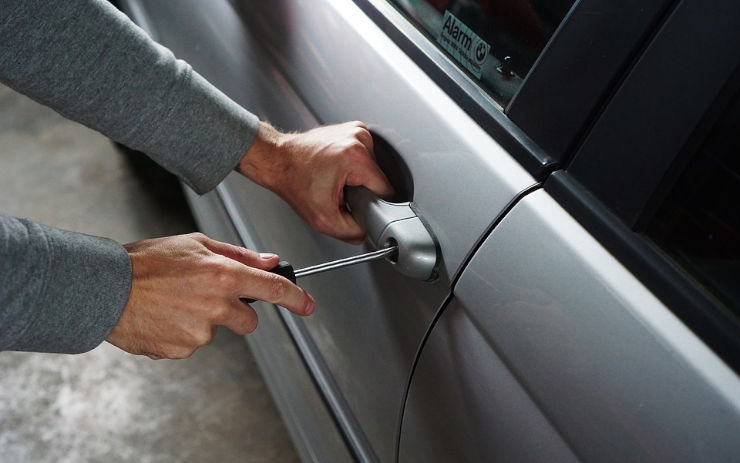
699 223
495 41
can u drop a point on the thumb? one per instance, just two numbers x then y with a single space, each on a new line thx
262 261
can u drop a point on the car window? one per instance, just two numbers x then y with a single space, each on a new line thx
494 41
698 224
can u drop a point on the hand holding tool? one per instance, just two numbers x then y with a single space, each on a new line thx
285 269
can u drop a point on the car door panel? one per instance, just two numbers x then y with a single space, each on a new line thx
611 368
301 63
551 334
466 405
378 317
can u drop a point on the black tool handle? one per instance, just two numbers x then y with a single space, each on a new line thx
283 268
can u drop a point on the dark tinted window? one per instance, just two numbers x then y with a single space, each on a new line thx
507 35
699 223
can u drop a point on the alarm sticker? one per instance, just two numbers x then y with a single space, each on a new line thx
463 44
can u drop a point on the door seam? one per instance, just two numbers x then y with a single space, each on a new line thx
448 299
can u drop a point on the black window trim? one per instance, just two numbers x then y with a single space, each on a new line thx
592 188
625 157
512 130
565 90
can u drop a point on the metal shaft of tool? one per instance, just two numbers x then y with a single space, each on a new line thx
326 266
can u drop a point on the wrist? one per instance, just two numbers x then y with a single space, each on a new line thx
263 161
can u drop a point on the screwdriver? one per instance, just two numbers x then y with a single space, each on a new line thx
286 270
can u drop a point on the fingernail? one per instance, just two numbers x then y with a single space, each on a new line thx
267 255
310 305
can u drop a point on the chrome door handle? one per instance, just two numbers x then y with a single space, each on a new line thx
387 224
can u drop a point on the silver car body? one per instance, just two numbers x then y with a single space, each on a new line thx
533 344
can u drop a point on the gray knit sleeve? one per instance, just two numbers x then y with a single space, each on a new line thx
61 291
90 63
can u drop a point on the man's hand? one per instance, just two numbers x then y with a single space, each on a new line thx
309 171
184 286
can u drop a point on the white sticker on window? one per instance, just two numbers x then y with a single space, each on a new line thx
463 44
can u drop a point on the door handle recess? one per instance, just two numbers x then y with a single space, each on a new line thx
395 224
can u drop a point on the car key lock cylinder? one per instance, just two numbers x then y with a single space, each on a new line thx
395 224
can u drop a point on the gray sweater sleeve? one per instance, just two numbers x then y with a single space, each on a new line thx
63 291
90 63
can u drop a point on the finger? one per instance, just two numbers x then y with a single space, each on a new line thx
348 229
264 261
359 124
340 224
269 287
370 176
177 352
366 138
241 319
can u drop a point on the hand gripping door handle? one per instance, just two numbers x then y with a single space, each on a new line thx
395 224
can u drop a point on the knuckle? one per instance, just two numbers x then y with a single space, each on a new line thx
246 325
219 314
222 275
201 336
197 236
312 215
178 352
350 148
357 148
278 287
251 325
246 253
323 223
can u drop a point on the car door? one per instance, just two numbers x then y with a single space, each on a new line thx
474 138
299 64
599 319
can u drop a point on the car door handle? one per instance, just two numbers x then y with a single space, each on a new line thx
395 224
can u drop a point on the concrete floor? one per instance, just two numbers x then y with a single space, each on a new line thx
107 405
